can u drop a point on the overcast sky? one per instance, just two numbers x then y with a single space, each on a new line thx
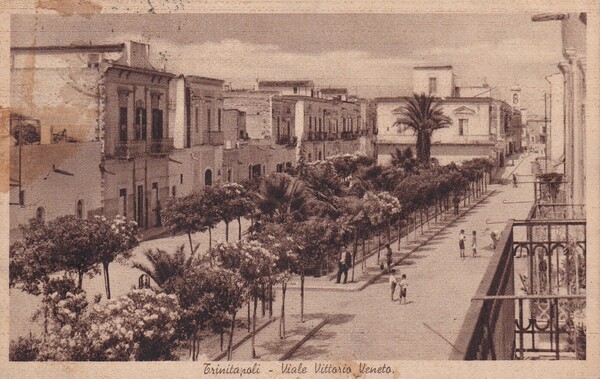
372 54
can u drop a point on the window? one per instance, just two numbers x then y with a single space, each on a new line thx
208 177
40 213
208 119
219 119
432 85
295 90
22 197
174 191
188 126
157 124
122 123
463 123
180 178
229 175
320 156
79 209
123 202
249 172
140 123
197 124
309 157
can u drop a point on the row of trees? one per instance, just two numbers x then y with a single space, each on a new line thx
301 219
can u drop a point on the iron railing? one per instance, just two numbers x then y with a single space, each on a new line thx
160 147
130 149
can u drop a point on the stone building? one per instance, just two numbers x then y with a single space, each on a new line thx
481 125
109 94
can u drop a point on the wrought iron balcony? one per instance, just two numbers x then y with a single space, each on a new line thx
160 147
130 149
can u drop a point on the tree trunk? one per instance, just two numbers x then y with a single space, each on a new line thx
230 346
363 263
270 300
191 244
80 277
193 347
354 251
302 294
282 319
415 224
239 228
399 235
221 333
378 244
421 218
249 319
106 279
254 328
209 238
226 231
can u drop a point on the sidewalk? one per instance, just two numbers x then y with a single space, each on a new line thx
368 325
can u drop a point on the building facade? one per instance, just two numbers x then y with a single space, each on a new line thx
481 126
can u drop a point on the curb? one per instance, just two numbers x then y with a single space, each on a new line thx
297 345
223 354
464 212
404 256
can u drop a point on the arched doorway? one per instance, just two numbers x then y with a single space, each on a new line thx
208 177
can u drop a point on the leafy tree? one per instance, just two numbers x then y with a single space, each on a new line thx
283 245
256 266
113 240
424 115
235 203
184 215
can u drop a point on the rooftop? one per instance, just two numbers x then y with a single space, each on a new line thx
74 47
286 83
432 67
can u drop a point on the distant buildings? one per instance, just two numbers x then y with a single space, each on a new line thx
481 126
98 130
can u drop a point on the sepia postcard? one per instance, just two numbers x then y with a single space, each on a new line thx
287 189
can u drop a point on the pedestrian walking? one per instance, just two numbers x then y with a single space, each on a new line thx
347 265
494 235
456 202
393 283
388 256
461 243
403 284
341 267
474 244
514 180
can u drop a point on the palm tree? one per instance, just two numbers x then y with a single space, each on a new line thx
281 197
164 267
423 114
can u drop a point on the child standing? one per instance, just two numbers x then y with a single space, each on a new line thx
461 243
474 244
403 284
393 282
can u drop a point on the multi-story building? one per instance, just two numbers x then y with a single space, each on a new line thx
198 132
110 105
288 87
481 126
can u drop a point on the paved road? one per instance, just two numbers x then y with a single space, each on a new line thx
368 325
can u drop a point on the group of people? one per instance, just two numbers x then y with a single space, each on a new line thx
461 243
402 284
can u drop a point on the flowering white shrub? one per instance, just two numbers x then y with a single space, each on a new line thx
137 326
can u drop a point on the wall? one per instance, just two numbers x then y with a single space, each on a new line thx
257 106
57 193
556 132
128 175
445 80
60 90
444 153
476 111
194 162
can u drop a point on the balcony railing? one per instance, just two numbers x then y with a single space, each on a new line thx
499 322
160 147
130 149
287 141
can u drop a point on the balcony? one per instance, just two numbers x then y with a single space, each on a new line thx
349 135
160 147
287 141
130 149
